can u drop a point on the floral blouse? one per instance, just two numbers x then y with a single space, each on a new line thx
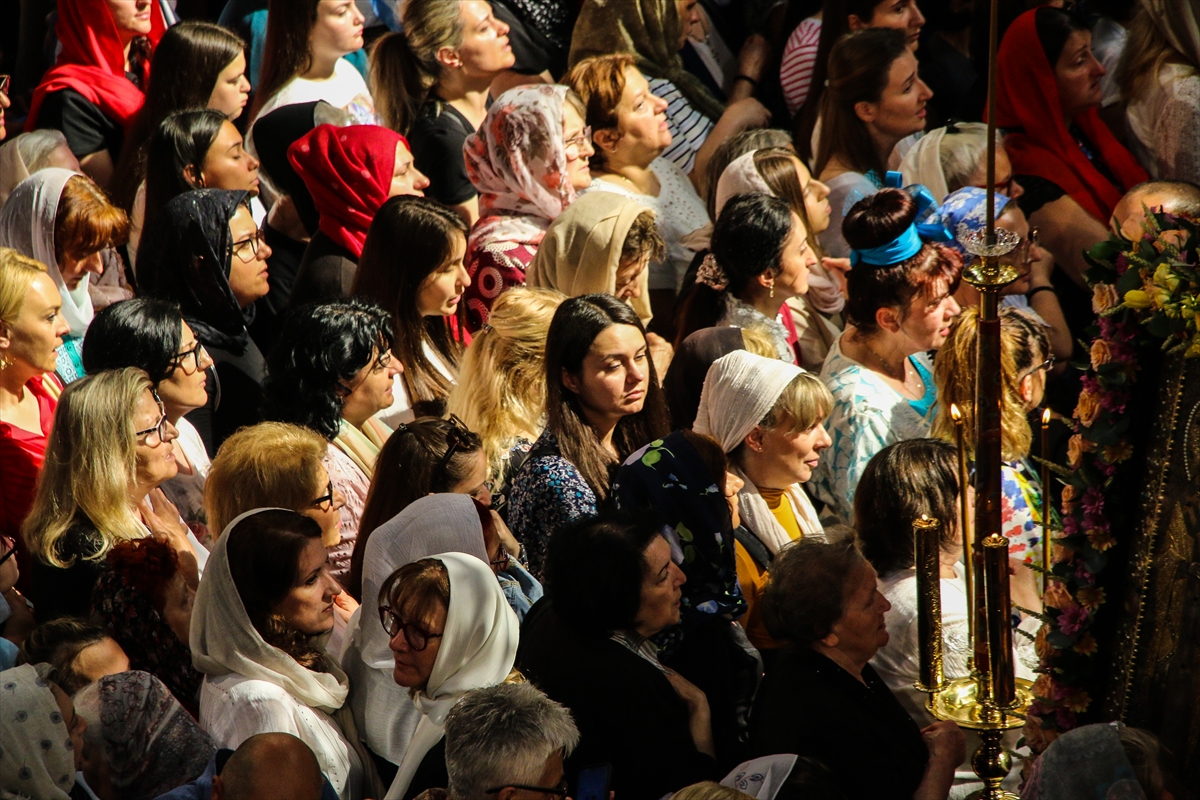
1021 511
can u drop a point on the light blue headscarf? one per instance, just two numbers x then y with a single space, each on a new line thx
965 211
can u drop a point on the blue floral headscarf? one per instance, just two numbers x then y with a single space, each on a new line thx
965 211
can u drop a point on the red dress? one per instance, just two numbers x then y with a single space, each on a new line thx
21 455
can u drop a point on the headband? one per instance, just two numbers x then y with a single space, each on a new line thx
926 227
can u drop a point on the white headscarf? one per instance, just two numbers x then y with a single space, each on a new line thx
37 758
27 226
761 778
479 646
923 164
437 523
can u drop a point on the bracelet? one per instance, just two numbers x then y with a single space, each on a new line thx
1029 295
753 83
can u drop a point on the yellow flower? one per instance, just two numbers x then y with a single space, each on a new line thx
1164 277
1100 538
1079 702
1086 645
1041 646
1088 408
1137 299
1068 499
1090 597
1100 353
1116 453
1061 553
1041 687
1104 297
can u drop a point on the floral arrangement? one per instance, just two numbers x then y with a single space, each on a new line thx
1144 293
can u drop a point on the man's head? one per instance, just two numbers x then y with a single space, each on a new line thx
1174 197
509 737
270 766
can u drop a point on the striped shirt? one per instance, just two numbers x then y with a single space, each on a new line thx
796 67
689 128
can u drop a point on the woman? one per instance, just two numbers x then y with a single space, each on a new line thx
145 604
420 297
766 415
630 133
196 149
1102 760
602 403
451 631
589 648
604 242
80 652
501 394
41 748
1047 96
64 220
108 453
94 91
685 379
21 156
350 172
874 99
901 303
31 331
139 741
650 34
456 48
947 159
441 523
152 336
1159 75
824 601
760 258
261 618
526 173
332 372
208 256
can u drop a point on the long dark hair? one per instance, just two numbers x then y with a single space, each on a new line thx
142 332
410 239
264 560
397 83
187 62
747 241
859 67
321 348
576 324
181 140
286 52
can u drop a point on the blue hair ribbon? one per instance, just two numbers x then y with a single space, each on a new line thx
927 227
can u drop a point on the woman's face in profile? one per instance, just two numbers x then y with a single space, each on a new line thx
308 607
412 667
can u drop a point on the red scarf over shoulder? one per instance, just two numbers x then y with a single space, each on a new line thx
1027 98
92 61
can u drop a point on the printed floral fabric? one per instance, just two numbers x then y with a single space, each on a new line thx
1021 511
37 758
495 267
965 212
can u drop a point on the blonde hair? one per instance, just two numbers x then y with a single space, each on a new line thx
804 402
268 465
430 25
757 339
1023 345
17 274
501 390
710 790
91 463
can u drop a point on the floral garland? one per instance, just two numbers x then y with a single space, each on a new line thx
1143 292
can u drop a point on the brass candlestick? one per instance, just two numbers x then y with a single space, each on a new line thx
1046 547
929 609
964 515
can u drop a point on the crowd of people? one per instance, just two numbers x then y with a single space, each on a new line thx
516 399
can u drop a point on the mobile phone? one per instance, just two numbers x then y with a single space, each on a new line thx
593 783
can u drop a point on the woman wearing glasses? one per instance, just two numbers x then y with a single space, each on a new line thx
152 336
332 372
528 159
208 256
110 450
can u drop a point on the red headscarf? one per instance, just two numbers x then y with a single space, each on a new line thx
348 171
92 61
1027 98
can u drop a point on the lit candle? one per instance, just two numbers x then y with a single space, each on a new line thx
1046 546
929 603
999 612
964 514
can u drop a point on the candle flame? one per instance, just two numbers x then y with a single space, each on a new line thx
1045 416
957 416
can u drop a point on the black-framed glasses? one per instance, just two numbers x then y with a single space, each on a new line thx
558 791
197 353
416 636
10 545
247 249
1047 365
501 560
457 438
155 436
325 501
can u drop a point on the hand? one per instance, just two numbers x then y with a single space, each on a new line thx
162 518
506 536
661 353
687 691
344 606
753 56
1040 268
837 269
946 742
747 113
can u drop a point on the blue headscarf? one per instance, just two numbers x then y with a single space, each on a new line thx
965 211
927 227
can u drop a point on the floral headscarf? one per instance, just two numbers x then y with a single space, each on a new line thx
965 211
37 758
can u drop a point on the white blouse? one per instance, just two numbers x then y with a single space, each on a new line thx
1164 119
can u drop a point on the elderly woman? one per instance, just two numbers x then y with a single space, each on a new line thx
23 155
110 449
947 159
139 741
590 649
41 741
451 631
823 599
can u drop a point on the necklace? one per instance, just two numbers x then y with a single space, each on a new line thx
887 368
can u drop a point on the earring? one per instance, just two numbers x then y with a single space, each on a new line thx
772 290
5 362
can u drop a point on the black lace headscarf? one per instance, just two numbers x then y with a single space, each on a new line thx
186 259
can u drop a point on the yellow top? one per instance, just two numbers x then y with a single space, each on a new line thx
785 515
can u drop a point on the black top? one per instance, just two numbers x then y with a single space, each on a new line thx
431 774
82 122
810 706
58 592
627 712
282 268
958 92
539 32
437 138
234 398
325 273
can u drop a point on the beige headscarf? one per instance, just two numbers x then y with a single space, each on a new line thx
582 249
923 164
12 168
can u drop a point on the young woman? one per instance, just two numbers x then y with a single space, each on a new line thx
109 452
152 336
527 173
65 221
501 393
603 402
901 303
332 372
873 100
457 48
420 297
94 90
630 132
208 257
760 258
260 613
31 331
349 172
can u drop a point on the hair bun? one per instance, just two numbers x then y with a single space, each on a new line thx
879 218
